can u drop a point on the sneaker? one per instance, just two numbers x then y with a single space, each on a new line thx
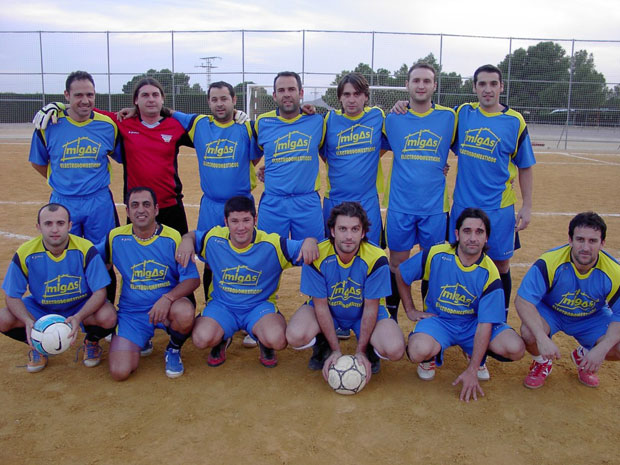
36 361
373 358
174 364
249 342
426 370
585 377
147 349
267 356
218 353
538 374
343 334
483 373
320 353
92 353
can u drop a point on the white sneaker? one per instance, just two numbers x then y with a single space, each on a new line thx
426 370
483 373
249 341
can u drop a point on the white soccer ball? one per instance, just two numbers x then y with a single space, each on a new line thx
50 334
347 376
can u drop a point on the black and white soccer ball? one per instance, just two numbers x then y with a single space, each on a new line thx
347 376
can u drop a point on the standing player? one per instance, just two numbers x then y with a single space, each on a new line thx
418 199
575 289
463 304
354 141
155 287
492 145
247 264
65 275
290 142
346 284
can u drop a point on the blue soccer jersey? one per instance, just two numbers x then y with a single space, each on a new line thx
291 149
224 152
421 144
148 268
57 284
490 147
455 291
77 153
345 286
554 281
352 149
243 278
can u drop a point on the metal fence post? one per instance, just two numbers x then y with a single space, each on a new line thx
245 94
440 68
174 100
303 56
508 74
42 75
570 89
107 39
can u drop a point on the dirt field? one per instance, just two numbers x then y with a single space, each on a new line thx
242 413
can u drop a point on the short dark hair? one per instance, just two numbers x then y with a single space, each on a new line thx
488 69
351 209
287 74
133 190
239 203
587 220
221 85
52 207
422 65
473 213
78 76
358 81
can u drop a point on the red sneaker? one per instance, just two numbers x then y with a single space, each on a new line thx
538 374
218 353
585 377
267 356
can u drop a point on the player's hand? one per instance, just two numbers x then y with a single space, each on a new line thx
185 252
260 173
126 113
400 108
335 355
593 360
363 360
471 386
446 168
548 349
49 111
309 251
308 109
241 117
523 218
416 315
74 322
159 311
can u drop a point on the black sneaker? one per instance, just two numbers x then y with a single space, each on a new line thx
218 353
373 358
267 356
320 353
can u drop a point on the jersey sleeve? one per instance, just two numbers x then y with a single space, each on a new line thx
312 282
186 120
15 282
378 281
188 272
524 157
534 285
411 269
96 273
38 151
491 306
290 249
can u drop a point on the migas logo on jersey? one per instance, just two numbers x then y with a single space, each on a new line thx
346 290
481 138
456 295
220 149
357 134
422 140
576 302
82 147
240 275
294 141
62 285
148 270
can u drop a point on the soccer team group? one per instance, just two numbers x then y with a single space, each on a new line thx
349 280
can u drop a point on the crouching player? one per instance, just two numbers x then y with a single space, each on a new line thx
155 287
463 305
247 265
346 284
575 289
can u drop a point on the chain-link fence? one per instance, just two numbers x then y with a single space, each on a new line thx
566 85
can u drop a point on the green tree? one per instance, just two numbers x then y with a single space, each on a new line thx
164 76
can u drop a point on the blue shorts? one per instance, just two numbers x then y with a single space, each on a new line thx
587 330
37 310
93 216
404 230
299 215
356 324
135 327
502 240
232 321
373 211
211 214
450 333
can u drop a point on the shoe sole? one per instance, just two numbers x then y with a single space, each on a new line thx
268 363
35 369
146 353
91 363
174 374
594 386
214 364
425 379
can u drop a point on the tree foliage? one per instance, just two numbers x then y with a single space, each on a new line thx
164 76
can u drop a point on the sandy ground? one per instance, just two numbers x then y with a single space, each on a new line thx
244 413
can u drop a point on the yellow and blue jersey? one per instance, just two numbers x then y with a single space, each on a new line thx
56 283
291 149
455 291
554 281
148 268
224 153
351 150
77 153
491 147
347 285
243 278
421 144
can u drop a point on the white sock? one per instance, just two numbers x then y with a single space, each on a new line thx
307 346
539 358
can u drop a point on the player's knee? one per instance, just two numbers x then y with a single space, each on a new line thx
182 316
419 349
514 348
106 317
202 339
296 337
394 351
7 321
120 371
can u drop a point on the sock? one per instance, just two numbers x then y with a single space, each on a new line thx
307 346
96 333
207 277
111 289
507 285
538 358
392 301
19 334
176 339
